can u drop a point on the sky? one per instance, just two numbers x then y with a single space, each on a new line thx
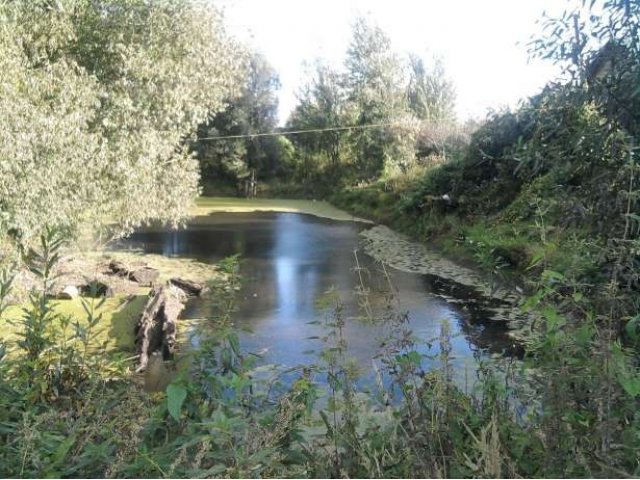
481 42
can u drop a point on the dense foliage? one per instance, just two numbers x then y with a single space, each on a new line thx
96 99
391 103
380 114
567 157
252 109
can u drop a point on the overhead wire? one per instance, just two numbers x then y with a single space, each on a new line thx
296 132
338 129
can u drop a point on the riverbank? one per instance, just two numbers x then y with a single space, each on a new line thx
232 418
560 267
515 252
120 310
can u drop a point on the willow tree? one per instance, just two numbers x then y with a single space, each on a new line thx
375 84
431 95
323 105
97 98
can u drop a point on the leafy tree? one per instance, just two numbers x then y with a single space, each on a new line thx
375 82
598 48
46 144
323 104
261 103
431 94
252 109
97 97
394 114
282 152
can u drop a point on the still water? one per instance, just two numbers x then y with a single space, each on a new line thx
289 261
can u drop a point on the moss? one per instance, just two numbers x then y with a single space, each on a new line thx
207 205
168 266
115 330
118 314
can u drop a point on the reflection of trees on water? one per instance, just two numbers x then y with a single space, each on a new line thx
475 312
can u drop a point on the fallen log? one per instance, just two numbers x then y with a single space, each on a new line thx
157 328
189 287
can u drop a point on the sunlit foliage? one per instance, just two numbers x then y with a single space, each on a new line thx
97 97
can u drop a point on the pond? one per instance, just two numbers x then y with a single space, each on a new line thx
289 261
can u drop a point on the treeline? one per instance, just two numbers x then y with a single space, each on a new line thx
379 115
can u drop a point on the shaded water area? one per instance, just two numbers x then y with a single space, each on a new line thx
290 260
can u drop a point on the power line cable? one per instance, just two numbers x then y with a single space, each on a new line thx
352 127
296 132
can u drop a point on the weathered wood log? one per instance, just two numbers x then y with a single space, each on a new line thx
157 327
189 287
145 276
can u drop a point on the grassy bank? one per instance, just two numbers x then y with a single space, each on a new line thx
117 314
118 317
512 248
445 233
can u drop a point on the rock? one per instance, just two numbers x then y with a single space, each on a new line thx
68 293
118 267
189 287
95 288
145 276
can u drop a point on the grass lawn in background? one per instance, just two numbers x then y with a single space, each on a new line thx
207 205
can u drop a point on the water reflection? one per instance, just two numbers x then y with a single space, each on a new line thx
290 260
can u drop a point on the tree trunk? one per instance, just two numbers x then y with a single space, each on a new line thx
157 327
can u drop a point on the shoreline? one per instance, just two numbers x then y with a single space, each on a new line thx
317 208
